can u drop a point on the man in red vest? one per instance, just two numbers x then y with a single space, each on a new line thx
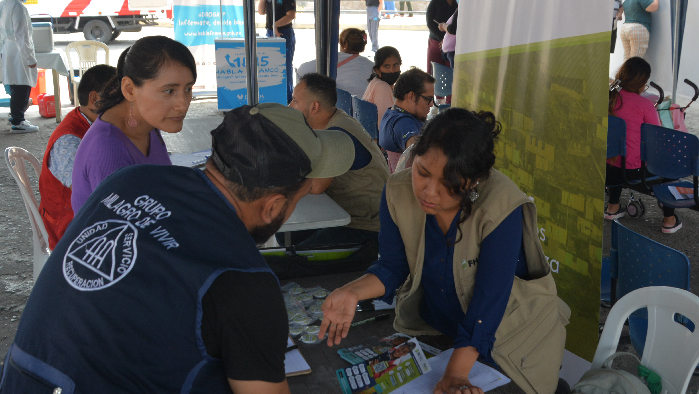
56 171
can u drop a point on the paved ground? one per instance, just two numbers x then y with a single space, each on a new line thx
15 234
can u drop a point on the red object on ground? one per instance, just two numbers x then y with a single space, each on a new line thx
39 88
47 105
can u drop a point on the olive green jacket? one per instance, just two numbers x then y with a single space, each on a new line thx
530 340
359 191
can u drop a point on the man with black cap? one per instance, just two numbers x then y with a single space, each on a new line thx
157 284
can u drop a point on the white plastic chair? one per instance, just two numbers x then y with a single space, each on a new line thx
405 160
87 57
671 351
15 158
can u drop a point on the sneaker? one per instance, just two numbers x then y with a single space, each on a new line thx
619 214
673 229
24 127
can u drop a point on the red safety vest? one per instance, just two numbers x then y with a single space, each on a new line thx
55 208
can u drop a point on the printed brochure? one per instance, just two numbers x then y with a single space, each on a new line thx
385 372
357 354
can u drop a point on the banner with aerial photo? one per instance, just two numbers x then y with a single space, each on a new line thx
541 66
197 24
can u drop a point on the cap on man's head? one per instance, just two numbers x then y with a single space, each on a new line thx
270 145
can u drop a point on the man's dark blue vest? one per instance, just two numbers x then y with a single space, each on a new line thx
117 307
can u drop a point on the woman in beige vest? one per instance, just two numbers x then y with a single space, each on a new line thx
460 244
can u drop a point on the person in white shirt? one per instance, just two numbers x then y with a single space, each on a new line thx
18 66
353 70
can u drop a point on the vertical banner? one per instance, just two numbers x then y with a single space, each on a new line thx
197 24
231 74
541 66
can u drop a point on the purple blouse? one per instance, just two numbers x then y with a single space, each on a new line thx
105 149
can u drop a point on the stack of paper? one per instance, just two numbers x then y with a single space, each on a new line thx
481 376
294 363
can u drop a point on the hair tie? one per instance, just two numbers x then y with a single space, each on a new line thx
616 85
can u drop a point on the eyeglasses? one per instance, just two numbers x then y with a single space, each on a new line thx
430 100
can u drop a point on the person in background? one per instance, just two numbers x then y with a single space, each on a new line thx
373 17
438 11
386 70
151 92
459 241
449 40
406 4
56 179
352 68
626 102
358 191
284 13
390 9
635 32
401 124
174 290
18 61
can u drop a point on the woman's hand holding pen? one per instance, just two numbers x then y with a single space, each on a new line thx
338 312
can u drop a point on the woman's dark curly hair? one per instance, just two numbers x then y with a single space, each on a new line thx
467 139
633 76
142 62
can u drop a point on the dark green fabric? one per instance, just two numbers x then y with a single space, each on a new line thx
652 379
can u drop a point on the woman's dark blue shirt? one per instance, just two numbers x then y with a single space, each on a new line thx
501 258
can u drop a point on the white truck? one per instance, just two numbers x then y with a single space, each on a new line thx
99 20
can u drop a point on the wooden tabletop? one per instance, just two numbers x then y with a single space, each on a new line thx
324 360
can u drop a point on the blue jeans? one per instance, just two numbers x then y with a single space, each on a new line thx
290 37
329 236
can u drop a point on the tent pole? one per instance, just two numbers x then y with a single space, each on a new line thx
321 22
676 51
250 50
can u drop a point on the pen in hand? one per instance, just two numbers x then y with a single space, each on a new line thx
369 320
292 347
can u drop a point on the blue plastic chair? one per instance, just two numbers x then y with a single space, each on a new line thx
444 76
367 114
616 139
344 101
671 154
616 146
637 262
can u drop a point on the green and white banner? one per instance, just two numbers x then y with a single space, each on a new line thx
541 66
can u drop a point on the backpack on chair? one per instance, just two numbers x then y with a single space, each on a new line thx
607 380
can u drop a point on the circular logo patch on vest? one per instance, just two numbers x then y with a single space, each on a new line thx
101 255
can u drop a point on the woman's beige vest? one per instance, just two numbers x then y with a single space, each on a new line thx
530 340
359 191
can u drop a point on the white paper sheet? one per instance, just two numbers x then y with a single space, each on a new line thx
294 363
481 375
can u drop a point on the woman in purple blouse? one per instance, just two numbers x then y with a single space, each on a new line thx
151 92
